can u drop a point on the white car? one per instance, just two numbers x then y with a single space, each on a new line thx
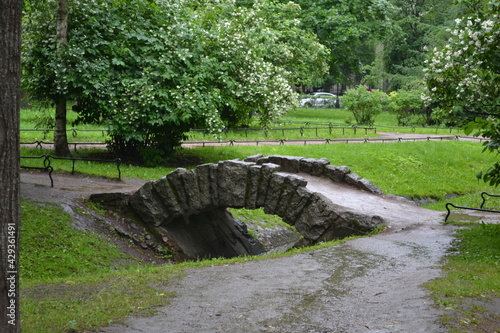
319 99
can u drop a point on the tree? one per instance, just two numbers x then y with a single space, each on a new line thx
60 136
365 104
151 71
349 29
417 25
463 78
10 69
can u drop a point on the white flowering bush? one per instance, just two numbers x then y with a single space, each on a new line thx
152 70
463 78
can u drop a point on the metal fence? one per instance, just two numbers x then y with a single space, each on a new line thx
47 165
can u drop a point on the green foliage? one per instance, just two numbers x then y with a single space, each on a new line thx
415 27
151 71
348 28
463 78
365 103
409 108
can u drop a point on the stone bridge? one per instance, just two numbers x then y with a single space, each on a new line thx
188 207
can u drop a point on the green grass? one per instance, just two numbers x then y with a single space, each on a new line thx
472 272
52 248
75 279
412 169
34 129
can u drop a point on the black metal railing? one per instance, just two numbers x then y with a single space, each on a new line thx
481 209
48 167
314 141
483 196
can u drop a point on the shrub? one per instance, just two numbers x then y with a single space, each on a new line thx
365 104
408 107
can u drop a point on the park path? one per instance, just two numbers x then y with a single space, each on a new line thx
371 284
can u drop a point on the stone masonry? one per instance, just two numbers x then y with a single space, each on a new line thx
193 202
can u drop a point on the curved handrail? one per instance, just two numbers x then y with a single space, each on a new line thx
484 199
469 208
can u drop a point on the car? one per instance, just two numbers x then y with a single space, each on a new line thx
320 99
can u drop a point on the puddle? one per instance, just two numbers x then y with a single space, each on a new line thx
464 217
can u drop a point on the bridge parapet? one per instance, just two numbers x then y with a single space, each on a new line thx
184 201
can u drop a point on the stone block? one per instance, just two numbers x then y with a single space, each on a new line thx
253 158
296 204
316 217
336 173
262 160
349 224
312 166
206 175
192 191
254 178
266 172
232 178
148 205
290 187
162 187
362 183
177 186
274 191
287 163
366 185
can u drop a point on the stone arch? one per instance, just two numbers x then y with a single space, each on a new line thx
189 206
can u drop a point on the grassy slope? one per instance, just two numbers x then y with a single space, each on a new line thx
472 280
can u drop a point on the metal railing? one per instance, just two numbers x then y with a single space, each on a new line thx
314 141
481 209
40 144
301 129
48 167
483 196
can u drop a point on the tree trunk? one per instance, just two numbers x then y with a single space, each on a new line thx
10 96
60 138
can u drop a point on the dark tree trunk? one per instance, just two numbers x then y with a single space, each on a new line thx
60 138
10 93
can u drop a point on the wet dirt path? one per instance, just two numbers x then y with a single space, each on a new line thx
365 285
